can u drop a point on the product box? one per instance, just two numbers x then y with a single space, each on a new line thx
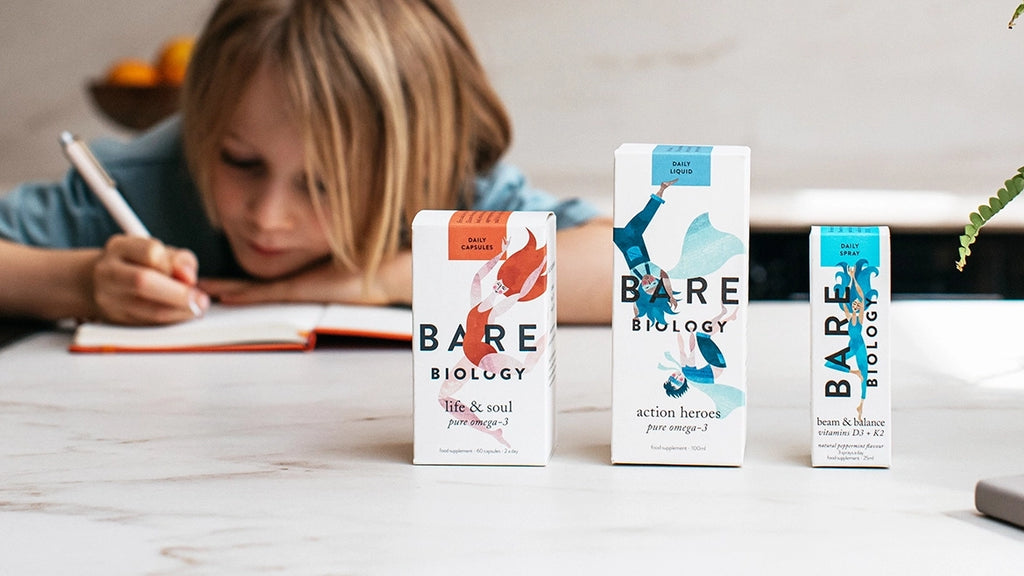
851 413
679 319
484 324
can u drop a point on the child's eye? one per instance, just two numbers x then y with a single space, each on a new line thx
240 162
315 187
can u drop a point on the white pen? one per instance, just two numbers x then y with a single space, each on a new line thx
101 184
104 187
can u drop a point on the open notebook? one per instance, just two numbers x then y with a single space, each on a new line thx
250 328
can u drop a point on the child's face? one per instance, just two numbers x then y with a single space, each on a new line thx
259 187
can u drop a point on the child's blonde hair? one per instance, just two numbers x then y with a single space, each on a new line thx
395 110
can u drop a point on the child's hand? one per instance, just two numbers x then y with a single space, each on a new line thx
141 281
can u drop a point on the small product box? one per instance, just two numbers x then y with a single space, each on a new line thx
851 411
484 327
679 318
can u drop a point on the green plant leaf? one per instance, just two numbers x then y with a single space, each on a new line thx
964 253
1016 14
1014 186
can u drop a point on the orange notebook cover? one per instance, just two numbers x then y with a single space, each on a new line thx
250 328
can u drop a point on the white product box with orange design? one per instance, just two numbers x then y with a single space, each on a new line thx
484 324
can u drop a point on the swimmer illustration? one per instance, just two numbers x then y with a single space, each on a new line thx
700 365
520 278
855 281
653 280
704 250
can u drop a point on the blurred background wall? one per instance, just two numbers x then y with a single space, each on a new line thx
873 95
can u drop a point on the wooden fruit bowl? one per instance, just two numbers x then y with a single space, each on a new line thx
135 107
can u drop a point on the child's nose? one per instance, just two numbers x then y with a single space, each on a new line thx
270 209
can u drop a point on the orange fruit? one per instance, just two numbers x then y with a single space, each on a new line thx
132 72
172 59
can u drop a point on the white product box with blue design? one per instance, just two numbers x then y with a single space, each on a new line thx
679 318
851 416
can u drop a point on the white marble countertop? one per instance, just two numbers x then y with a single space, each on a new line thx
301 463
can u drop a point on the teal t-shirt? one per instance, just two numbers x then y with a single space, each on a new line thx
151 174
